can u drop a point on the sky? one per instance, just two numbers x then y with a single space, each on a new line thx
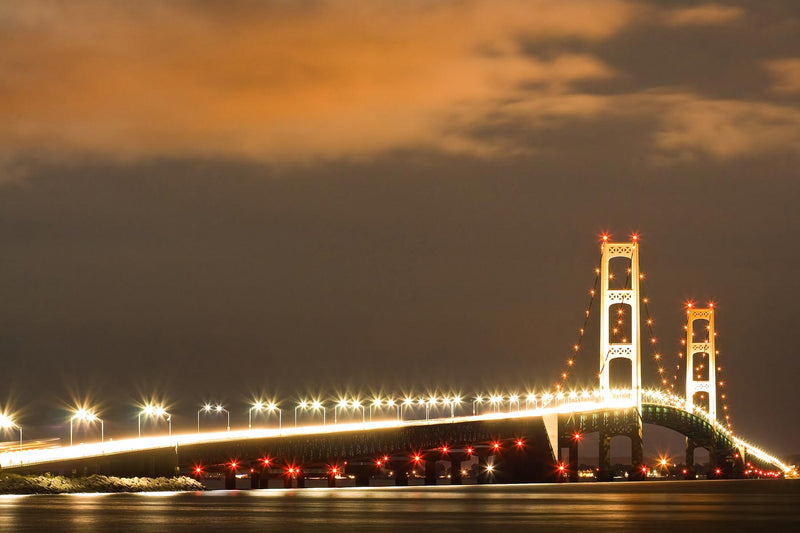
205 201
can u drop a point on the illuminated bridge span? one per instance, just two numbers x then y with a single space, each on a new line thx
514 438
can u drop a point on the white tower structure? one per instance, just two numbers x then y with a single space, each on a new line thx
708 347
631 348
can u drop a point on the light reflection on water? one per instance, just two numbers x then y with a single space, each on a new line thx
745 505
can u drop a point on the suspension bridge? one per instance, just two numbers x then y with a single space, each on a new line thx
513 438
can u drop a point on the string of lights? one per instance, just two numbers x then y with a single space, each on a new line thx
576 348
653 339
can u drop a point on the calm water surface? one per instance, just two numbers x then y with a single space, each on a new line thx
745 505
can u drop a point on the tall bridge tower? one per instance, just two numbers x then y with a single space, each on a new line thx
615 304
630 347
696 346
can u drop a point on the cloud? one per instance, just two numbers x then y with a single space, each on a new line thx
785 74
703 15
726 129
274 82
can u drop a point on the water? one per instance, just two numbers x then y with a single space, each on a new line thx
743 505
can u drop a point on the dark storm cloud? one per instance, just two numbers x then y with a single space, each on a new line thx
280 198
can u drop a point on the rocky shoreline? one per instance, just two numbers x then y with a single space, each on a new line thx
48 484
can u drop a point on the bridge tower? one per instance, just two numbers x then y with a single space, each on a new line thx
694 384
695 345
631 347
612 301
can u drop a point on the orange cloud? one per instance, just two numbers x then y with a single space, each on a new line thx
275 83
703 15
726 129
785 74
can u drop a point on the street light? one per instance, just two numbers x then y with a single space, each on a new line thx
357 405
205 409
478 401
84 415
452 403
258 406
514 398
407 402
156 411
272 407
495 400
431 401
302 405
341 404
317 405
221 409
391 403
7 423
376 403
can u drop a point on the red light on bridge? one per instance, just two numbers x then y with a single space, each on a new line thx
718 471
577 436
234 465
417 458
470 450
198 470
444 449
378 462
495 446
266 461
386 458
519 443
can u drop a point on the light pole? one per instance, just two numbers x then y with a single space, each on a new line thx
317 405
357 405
7 423
495 401
258 406
391 403
478 401
221 409
513 399
431 401
205 409
341 404
376 403
84 415
272 407
452 402
156 411
302 405
407 402
531 397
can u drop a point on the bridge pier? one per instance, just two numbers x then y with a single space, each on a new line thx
604 472
455 471
361 470
401 473
230 479
255 479
430 471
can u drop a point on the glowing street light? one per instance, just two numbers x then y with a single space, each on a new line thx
314 405
391 403
431 401
376 403
84 415
513 399
495 401
478 401
258 406
407 402
6 422
271 408
341 404
221 409
156 411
